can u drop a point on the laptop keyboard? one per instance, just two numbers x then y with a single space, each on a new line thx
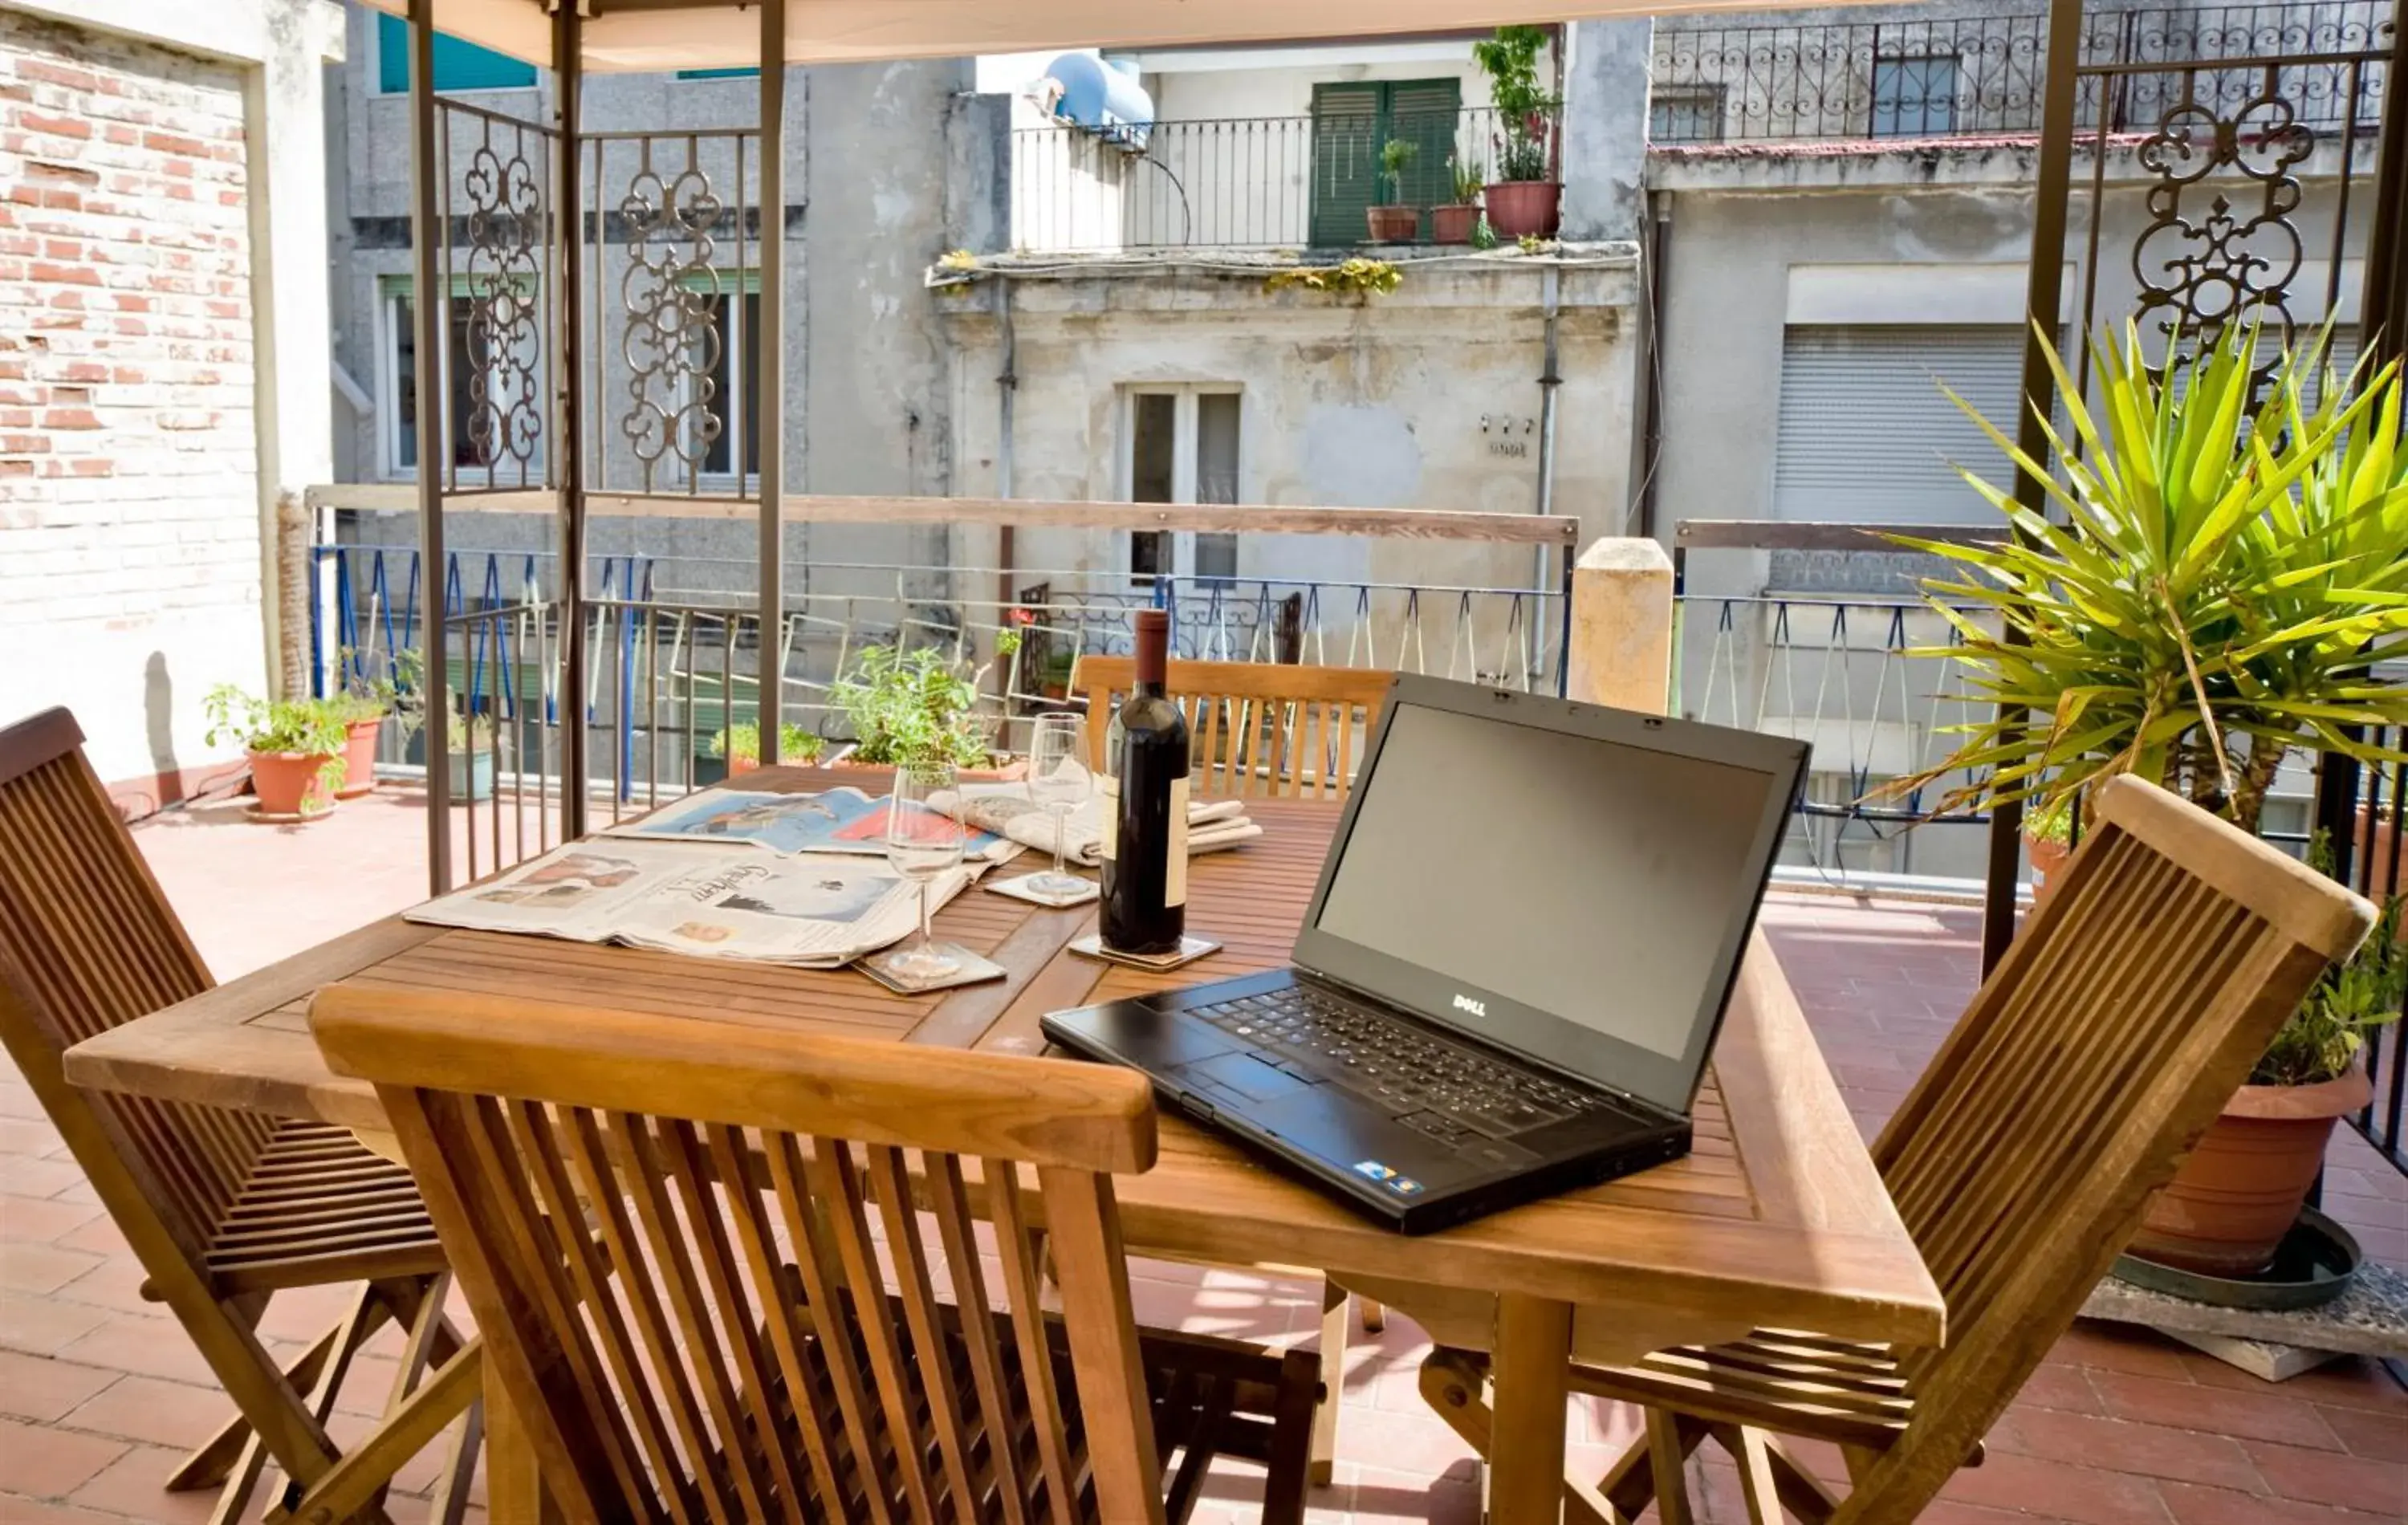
1443 1090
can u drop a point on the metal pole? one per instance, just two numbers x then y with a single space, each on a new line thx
2041 304
770 349
427 197
1007 384
568 449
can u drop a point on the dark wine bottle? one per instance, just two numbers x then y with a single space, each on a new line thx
1145 906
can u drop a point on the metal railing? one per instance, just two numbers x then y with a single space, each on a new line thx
2370 850
1977 77
1237 182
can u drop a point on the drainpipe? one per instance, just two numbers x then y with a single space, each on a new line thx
1550 295
1007 384
1651 354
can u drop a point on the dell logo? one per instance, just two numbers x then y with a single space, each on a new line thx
1477 1008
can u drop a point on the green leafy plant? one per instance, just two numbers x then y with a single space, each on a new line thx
364 696
2050 824
908 708
796 745
1397 155
2230 571
258 724
1525 110
1482 235
2363 992
1466 179
1366 277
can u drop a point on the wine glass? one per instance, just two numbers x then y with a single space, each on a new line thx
923 843
1058 782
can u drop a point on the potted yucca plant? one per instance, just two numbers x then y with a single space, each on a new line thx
1395 222
2232 571
1453 223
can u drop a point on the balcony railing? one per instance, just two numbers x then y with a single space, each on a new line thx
1237 182
1983 76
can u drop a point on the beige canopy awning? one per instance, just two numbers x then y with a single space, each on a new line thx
638 36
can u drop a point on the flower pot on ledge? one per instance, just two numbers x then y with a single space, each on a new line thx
2241 1188
1525 209
1394 225
295 785
359 758
1454 224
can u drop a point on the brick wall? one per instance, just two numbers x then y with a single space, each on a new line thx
129 500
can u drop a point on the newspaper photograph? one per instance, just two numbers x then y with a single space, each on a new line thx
830 820
813 911
1006 810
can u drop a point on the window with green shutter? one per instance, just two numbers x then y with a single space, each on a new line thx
458 66
1351 124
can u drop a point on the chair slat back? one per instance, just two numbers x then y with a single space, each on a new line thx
2098 1051
88 941
1266 728
701 1263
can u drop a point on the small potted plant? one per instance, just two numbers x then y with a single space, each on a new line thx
295 748
1525 199
1453 223
2048 842
365 703
738 749
468 760
1396 223
918 707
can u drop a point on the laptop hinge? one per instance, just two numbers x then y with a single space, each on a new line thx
1638 1104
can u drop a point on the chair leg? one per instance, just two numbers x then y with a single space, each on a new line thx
233 1500
1758 1486
368 1313
1293 1463
1665 1454
357 1482
212 1464
1333 1383
459 1467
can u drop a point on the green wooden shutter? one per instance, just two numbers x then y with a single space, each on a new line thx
1424 112
1345 161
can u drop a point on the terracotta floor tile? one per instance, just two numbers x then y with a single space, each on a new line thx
2349 1482
47 1463
153 1345
159 1413
43 1389
130 1486
2269 1414
45 1220
42 1269
41 1326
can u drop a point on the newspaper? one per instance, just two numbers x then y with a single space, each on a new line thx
722 902
830 820
1212 824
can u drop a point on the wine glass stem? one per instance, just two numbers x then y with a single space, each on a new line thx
1061 825
927 939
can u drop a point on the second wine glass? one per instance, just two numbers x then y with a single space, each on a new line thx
1058 784
922 843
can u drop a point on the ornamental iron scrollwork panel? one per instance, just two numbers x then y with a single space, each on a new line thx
501 286
669 296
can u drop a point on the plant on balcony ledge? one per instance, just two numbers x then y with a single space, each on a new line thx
1524 198
1453 223
1396 221
2232 572
295 748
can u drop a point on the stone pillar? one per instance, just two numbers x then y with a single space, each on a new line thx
1605 128
1621 646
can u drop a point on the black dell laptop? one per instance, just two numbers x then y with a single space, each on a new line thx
1514 963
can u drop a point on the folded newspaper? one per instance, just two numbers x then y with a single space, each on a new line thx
829 821
720 900
1006 809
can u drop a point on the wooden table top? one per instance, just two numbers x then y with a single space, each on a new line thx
1776 1217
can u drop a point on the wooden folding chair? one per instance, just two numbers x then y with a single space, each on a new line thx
700 1261
225 1209
1264 729
2103 1045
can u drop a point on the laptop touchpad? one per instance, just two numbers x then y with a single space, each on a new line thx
1245 1075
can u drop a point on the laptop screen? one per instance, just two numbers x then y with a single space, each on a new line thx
1500 853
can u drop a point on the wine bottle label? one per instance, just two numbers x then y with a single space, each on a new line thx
1174 867
1108 791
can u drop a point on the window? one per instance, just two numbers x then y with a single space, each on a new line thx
1684 114
1183 448
1914 97
458 66
497 394
1351 124
731 359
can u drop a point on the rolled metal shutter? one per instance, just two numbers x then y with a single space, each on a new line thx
1867 436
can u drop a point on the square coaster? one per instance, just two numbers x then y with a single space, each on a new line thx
970 969
1024 888
1191 949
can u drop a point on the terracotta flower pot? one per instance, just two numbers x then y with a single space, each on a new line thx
1525 209
359 758
1394 225
294 785
2048 860
2241 1187
740 764
1454 224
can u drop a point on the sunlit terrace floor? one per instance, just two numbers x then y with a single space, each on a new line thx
99 1392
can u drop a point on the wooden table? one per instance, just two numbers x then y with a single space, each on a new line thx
1775 1219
